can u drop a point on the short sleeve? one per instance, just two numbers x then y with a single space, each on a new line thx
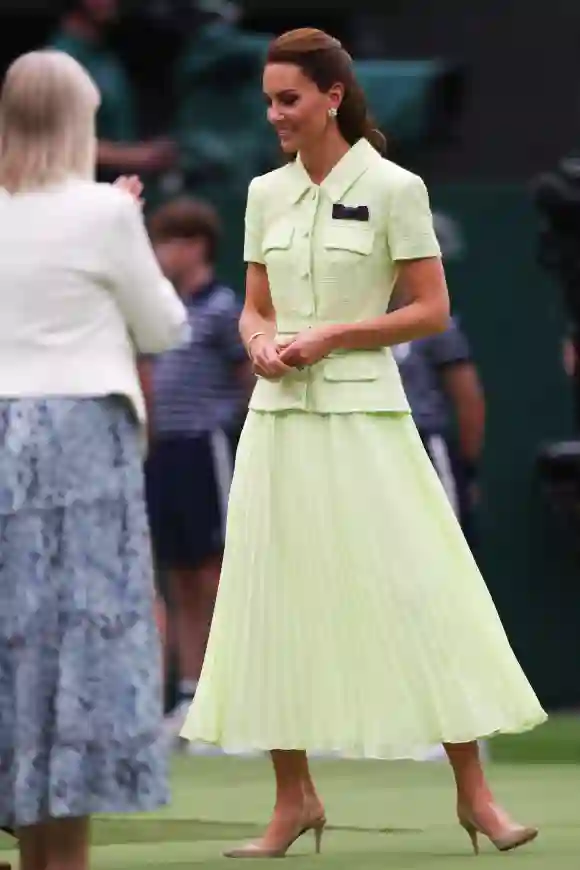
411 235
253 224
226 326
449 347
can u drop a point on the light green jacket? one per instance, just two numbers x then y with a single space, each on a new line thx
327 270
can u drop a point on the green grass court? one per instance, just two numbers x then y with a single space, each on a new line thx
381 815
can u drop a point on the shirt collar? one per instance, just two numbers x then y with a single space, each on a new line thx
201 295
340 179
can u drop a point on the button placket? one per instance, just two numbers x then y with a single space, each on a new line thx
307 252
309 243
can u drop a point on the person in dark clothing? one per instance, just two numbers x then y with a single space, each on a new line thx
198 399
82 33
447 401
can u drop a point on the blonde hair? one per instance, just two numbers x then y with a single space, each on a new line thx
47 121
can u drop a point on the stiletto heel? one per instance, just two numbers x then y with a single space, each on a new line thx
258 850
318 829
509 834
471 833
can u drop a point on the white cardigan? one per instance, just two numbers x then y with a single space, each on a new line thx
80 294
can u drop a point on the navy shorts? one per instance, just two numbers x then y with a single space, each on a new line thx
187 483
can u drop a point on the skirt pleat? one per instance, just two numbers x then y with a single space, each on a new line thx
351 616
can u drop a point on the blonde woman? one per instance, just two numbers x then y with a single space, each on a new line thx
80 295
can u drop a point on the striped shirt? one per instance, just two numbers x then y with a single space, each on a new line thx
196 388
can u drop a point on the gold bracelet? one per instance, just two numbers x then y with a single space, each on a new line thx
250 340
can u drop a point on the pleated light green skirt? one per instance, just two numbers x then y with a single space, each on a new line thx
351 616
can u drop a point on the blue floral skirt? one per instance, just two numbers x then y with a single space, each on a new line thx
80 664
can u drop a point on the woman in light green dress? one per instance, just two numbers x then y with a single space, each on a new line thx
351 616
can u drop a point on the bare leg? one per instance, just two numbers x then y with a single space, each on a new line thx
289 769
32 847
208 578
472 787
297 804
193 596
184 615
297 808
67 844
161 620
296 795
476 808
313 803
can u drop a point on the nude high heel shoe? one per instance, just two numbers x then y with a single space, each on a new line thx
510 836
256 850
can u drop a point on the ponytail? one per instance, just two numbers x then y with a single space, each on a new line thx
354 120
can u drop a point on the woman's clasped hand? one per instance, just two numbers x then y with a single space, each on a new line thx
272 360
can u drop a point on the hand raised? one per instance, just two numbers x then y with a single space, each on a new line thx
132 185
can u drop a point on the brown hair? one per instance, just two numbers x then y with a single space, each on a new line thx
186 218
325 62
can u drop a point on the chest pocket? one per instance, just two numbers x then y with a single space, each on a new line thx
345 264
280 256
277 242
347 248
347 244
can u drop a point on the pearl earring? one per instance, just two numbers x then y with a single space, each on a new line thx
332 112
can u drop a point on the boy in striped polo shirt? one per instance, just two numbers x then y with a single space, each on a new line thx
199 396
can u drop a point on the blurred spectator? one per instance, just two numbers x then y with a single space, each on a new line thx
198 397
82 33
145 378
444 389
569 357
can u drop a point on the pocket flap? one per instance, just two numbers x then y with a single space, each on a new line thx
357 239
352 367
278 238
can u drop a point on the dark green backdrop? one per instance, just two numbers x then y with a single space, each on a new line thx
513 316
